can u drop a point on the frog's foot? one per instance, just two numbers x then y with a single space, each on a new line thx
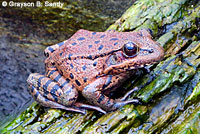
123 101
81 105
48 103
119 103
129 93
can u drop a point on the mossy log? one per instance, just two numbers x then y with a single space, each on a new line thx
169 92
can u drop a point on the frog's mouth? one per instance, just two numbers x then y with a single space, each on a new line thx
147 56
147 51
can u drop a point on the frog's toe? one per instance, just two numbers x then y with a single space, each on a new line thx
135 101
81 105
129 93
123 103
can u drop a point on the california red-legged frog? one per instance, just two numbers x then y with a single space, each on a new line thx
91 63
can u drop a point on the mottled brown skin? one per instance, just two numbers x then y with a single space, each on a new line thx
90 63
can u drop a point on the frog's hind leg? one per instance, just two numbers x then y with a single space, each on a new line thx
52 48
66 85
48 103
49 94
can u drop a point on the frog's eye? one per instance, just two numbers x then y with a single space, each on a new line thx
130 49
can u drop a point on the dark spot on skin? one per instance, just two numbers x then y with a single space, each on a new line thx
90 57
69 57
113 39
89 46
53 63
54 89
61 72
32 88
58 77
93 33
108 102
60 44
95 63
50 49
85 79
46 100
71 76
101 55
66 82
84 67
115 43
45 86
100 47
77 82
101 98
39 81
71 65
81 38
53 92
140 34
51 72
96 42
36 95
61 53
46 54
102 36
96 56
74 43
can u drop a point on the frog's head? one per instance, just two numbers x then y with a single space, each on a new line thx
137 51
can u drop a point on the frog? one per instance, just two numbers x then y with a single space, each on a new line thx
93 64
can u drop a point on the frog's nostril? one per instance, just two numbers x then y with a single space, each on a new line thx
150 50
46 54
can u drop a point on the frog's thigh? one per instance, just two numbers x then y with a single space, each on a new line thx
48 103
70 94
51 90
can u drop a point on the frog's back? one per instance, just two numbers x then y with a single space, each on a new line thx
81 57
85 42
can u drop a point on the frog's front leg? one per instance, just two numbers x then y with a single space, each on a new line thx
93 93
49 94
